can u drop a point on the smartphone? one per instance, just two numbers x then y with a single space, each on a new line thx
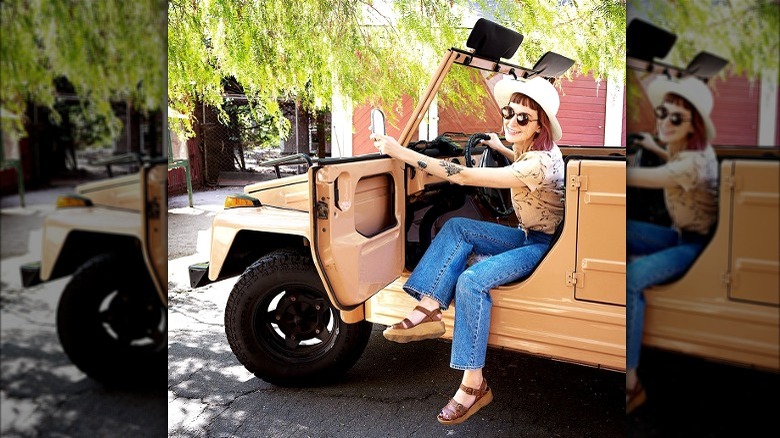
377 122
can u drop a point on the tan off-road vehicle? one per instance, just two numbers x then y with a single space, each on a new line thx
726 306
111 237
323 256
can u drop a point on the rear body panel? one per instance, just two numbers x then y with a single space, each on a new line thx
550 314
726 307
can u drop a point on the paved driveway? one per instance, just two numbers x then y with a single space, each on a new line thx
42 394
394 390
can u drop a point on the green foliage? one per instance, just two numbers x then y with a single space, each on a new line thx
367 51
255 128
745 32
109 51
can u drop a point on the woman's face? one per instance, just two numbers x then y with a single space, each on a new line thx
514 132
668 131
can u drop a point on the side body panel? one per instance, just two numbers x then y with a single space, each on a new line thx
544 314
601 231
725 307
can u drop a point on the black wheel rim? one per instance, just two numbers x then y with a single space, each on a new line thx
133 321
295 323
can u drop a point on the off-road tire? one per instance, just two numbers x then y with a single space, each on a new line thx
112 324
271 322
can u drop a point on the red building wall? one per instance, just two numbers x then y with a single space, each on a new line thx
396 121
581 115
736 110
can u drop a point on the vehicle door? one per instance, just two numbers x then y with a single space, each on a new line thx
358 227
600 187
154 179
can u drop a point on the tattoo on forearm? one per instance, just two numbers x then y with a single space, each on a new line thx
451 169
422 164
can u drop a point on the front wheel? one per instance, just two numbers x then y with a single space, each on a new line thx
113 325
281 326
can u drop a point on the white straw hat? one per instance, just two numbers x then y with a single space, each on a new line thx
540 90
691 89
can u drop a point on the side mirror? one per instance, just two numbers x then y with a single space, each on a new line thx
377 122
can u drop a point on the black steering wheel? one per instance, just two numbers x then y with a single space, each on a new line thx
497 201
471 144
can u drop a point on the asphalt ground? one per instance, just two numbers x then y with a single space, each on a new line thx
394 390
42 394
694 397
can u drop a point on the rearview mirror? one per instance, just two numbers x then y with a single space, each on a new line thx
377 122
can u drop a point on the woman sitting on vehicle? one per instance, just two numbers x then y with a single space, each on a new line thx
689 177
535 178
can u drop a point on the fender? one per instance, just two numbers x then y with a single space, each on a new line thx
227 224
266 219
60 224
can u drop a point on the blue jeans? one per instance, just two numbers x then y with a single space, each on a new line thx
442 275
656 255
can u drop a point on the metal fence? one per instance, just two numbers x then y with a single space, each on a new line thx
230 154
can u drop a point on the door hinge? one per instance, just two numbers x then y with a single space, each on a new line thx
578 182
574 279
322 210
729 182
726 278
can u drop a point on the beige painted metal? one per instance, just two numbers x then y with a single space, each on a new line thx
601 237
755 244
119 208
120 192
358 227
541 314
227 224
725 307
290 192
427 97
155 243
59 224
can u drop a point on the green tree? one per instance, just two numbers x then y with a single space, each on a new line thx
367 51
109 51
745 32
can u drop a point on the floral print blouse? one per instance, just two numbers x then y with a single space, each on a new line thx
693 203
538 200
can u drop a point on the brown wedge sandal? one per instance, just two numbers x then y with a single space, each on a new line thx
635 397
429 328
456 413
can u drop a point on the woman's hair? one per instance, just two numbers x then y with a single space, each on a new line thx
697 141
543 140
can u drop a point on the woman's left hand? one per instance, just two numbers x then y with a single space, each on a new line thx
494 142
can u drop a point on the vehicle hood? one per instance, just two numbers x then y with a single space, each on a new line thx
289 192
121 192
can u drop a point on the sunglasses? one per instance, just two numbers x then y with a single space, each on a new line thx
522 119
677 119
